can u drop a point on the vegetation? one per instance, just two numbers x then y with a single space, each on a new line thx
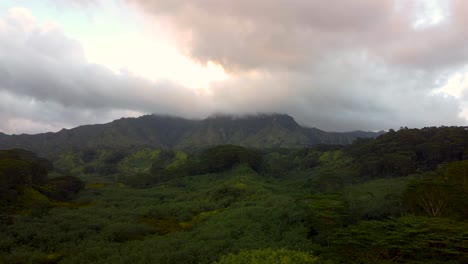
268 256
165 132
25 186
399 198
409 151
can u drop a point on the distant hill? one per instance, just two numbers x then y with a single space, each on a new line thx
258 131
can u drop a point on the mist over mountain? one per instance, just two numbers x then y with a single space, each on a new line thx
258 131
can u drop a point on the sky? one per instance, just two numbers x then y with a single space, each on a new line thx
335 65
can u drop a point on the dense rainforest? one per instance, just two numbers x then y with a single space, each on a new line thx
401 197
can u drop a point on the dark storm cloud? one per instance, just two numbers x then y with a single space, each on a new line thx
45 79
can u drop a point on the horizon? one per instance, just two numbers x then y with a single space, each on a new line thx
374 66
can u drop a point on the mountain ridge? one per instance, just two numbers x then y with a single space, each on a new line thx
163 131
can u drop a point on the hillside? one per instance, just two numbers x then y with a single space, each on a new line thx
260 131
25 186
398 198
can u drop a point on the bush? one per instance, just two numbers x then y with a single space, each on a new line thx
224 157
402 240
268 256
63 188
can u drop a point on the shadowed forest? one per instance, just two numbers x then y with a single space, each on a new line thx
399 198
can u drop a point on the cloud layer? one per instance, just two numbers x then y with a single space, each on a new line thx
248 34
337 65
46 80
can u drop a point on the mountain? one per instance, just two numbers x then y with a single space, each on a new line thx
259 131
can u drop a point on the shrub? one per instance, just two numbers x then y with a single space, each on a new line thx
268 256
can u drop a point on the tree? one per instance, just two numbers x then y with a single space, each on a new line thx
403 240
268 256
15 172
429 196
63 188
457 172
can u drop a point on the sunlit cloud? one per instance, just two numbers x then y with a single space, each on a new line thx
430 13
336 65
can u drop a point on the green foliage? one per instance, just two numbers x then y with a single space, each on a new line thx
408 151
21 154
436 196
331 156
102 161
457 173
165 132
225 157
123 232
36 203
234 190
333 174
268 256
278 165
146 168
236 205
429 197
327 212
140 180
165 226
406 239
114 157
175 164
377 199
185 220
139 162
24 182
178 161
14 173
163 160
63 188
283 163
20 167
88 155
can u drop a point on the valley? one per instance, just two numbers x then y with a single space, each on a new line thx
400 197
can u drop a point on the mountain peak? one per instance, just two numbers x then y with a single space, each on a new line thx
285 121
274 118
165 131
251 123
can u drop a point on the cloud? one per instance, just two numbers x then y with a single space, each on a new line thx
45 78
246 34
74 3
343 94
337 65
